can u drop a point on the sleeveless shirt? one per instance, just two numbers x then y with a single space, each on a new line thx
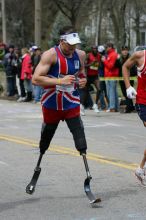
62 97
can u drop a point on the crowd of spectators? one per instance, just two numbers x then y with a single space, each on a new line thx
19 66
104 76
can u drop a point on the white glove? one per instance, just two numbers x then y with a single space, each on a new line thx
131 92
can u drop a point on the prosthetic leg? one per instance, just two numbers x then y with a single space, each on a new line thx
47 134
31 186
76 127
87 189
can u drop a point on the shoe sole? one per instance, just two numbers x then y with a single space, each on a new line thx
140 179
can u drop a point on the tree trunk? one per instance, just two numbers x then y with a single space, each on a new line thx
38 22
118 18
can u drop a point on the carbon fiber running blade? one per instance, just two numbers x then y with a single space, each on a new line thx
35 176
31 186
88 192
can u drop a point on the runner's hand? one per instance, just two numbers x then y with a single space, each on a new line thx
67 80
82 82
131 92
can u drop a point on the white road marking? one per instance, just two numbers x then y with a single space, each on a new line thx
136 135
3 163
102 125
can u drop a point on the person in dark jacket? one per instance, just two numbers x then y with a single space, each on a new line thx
133 72
103 93
9 63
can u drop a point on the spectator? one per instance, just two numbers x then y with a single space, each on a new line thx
21 89
26 73
110 70
38 90
10 69
103 93
133 71
92 63
32 53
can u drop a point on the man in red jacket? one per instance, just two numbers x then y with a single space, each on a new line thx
110 71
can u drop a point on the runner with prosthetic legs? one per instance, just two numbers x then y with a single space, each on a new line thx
60 72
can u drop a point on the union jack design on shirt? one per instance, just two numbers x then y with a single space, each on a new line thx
62 97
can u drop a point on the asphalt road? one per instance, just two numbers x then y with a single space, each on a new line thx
115 147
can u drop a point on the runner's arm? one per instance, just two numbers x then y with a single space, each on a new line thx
82 74
126 69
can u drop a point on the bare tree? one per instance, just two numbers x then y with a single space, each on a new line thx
100 9
139 8
73 10
108 19
20 21
117 9
3 15
49 15
38 23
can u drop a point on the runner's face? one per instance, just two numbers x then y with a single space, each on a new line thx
67 49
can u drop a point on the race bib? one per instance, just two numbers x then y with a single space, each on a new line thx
65 88
93 67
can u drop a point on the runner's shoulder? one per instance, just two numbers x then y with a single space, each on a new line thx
49 54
